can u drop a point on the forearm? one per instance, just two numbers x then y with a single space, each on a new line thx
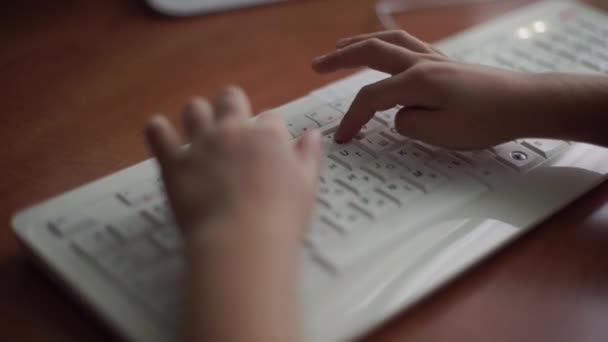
570 107
241 289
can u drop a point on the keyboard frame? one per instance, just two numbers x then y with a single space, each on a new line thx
489 223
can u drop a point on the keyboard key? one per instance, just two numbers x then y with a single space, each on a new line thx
375 143
325 115
131 226
448 165
358 181
409 155
543 45
499 61
369 128
95 240
160 213
130 258
322 233
375 204
347 219
428 148
568 55
351 156
425 177
591 65
387 117
383 168
70 224
393 134
545 147
342 105
141 194
333 168
315 274
400 190
333 195
299 125
517 157
169 238
321 202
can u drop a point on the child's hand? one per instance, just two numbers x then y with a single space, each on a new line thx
242 194
236 173
446 103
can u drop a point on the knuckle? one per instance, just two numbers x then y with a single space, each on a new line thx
400 34
366 91
230 90
432 55
373 44
422 73
437 53
364 96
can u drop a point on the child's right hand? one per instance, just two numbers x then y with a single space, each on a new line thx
453 104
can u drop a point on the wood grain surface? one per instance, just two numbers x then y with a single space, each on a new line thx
79 78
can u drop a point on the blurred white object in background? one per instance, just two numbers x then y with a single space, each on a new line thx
385 9
194 7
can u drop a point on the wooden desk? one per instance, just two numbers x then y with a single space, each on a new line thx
79 78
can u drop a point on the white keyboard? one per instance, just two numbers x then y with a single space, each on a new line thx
395 218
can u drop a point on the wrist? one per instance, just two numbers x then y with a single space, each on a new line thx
244 237
241 276
568 106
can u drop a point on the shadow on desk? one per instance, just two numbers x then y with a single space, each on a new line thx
23 286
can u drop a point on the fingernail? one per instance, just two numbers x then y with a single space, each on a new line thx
343 42
339 139
229 92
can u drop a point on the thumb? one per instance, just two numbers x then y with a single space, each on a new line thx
309 150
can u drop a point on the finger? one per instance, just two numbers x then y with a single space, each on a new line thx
232 101
372 98
397 37
372 53
198 118
163 140
309 150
